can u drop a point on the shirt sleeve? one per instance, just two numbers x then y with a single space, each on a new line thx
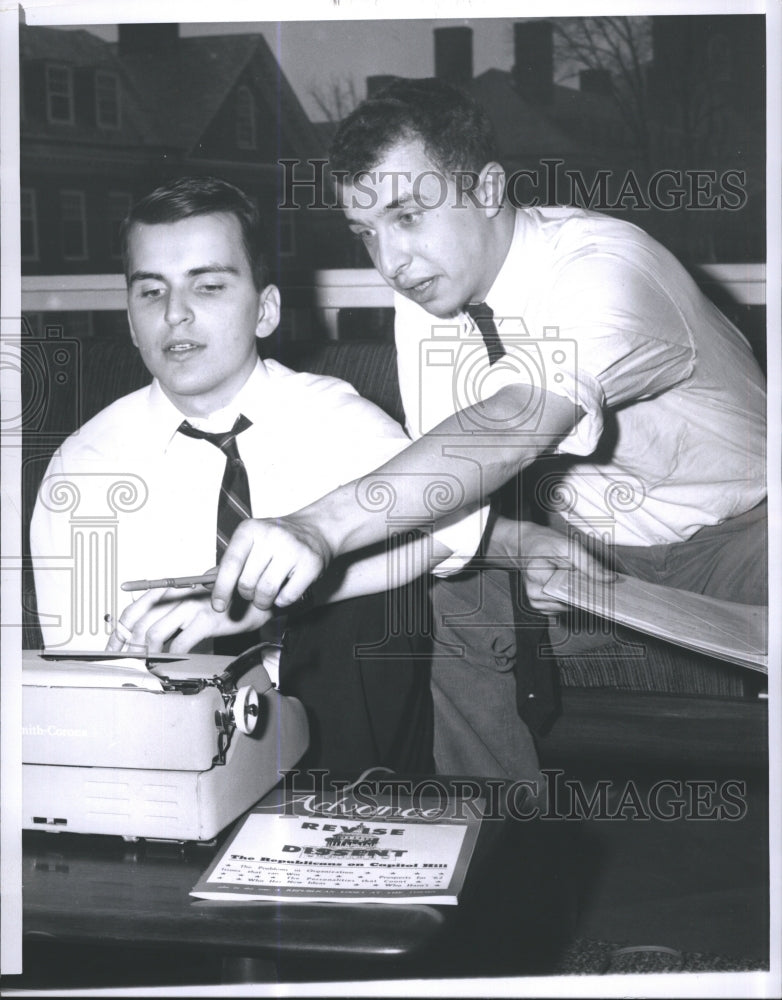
368 438
621 337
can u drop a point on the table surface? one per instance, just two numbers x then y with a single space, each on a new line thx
103 890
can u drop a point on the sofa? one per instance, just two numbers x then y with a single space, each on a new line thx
662 701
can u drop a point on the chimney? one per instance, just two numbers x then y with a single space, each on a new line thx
140 38
453 55
377 83
596 81
533 70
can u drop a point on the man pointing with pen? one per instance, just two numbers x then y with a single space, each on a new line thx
198 300
525 331
547 335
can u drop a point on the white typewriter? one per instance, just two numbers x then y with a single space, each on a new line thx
163 747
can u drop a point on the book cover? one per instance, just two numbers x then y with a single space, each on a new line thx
352 845
737 633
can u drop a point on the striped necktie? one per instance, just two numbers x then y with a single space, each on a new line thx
483 317
233 506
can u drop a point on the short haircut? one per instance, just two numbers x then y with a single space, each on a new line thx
456 132
187 197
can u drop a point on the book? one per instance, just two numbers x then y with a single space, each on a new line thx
351 845
737 633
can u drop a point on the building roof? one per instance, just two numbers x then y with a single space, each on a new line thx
81 50
183 91
173 97
77 48
574 124
522 128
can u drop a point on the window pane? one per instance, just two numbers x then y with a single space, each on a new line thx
59 94
74 235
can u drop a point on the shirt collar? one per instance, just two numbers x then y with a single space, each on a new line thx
253 400
503 297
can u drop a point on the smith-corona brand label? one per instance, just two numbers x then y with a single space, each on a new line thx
62 731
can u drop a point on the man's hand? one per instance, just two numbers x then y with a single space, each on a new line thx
545 551
539 551
160 616
271 562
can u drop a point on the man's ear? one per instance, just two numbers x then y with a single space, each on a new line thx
268 311
490 189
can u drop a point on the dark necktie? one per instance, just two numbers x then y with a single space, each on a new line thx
536 694
233 506
483 317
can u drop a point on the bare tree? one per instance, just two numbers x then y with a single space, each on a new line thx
620 46
337 98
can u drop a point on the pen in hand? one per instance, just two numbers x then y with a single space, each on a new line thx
178 582
303 604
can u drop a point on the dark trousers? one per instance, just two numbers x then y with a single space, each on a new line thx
727 561
361 669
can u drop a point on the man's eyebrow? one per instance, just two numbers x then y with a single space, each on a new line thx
194 272
145 276
401 202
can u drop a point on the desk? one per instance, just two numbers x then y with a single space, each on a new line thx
97 892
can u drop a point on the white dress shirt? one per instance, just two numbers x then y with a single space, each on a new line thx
591 308
126 497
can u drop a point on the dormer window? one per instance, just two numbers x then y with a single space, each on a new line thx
245 119
106 100
59 95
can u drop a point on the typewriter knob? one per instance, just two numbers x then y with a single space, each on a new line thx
246 709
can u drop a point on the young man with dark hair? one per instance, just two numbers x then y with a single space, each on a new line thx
198 301
527 332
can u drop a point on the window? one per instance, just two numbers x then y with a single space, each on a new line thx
74 225
59 95
119 206
106 100
245 119
29 215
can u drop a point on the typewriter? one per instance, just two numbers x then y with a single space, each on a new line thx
160 747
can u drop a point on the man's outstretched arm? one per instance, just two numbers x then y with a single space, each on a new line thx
458 463
161 617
